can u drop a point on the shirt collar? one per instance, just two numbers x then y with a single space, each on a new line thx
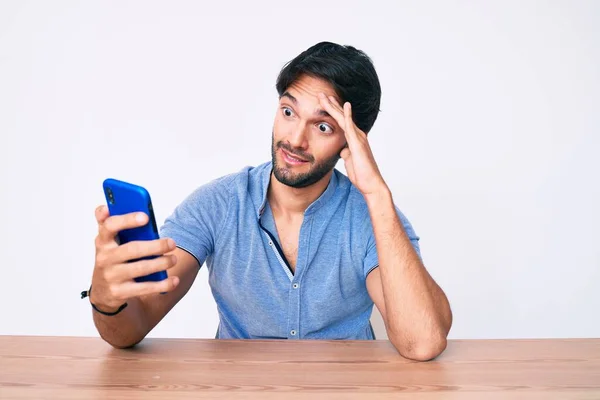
264 178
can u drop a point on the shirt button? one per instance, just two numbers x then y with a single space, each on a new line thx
295 286
293 332
270 243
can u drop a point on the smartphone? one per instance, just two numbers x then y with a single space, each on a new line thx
123 198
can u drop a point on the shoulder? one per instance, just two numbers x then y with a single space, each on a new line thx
228 185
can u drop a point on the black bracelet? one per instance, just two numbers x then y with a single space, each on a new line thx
86 293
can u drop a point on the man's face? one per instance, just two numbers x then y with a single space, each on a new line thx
306 139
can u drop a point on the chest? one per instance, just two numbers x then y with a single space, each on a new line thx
289 236
258 297
326 253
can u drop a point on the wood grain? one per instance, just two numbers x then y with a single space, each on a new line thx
87 368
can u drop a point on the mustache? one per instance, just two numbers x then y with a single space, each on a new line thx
293 152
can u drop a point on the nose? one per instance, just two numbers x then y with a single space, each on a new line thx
299 138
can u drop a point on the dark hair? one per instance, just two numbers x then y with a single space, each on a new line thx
349 70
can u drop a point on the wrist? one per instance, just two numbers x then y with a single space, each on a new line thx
109 312
379 198
101 307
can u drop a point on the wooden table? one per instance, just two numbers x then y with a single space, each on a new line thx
88 368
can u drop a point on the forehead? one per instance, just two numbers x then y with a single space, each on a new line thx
307 88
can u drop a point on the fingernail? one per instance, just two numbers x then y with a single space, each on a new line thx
171 243
140 217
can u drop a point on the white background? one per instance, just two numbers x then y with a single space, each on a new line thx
488 138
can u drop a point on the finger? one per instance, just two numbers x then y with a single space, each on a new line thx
140 268
128 271
101 214
340 117
113 225
335 113
345 153
136 289
349 121
335 104
141 249
346 110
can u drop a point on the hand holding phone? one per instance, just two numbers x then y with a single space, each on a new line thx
124 198
131 259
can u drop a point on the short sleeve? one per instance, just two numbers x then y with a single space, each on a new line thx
371 261
196 222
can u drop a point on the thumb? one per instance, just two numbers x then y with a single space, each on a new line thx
101 214
345 153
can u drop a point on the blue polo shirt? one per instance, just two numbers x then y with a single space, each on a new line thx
228 224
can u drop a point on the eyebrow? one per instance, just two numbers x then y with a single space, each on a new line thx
320 112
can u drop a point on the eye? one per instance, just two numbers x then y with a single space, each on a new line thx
325 128
287 111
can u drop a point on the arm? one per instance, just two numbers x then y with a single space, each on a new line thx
414 308
193 226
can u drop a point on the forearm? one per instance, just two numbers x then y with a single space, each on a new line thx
125 329
417 311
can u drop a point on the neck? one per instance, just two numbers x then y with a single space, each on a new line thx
292 202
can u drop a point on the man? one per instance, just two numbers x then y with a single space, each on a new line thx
294 248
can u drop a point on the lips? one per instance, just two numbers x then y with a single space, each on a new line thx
292 159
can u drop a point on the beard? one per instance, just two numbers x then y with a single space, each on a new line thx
300 180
